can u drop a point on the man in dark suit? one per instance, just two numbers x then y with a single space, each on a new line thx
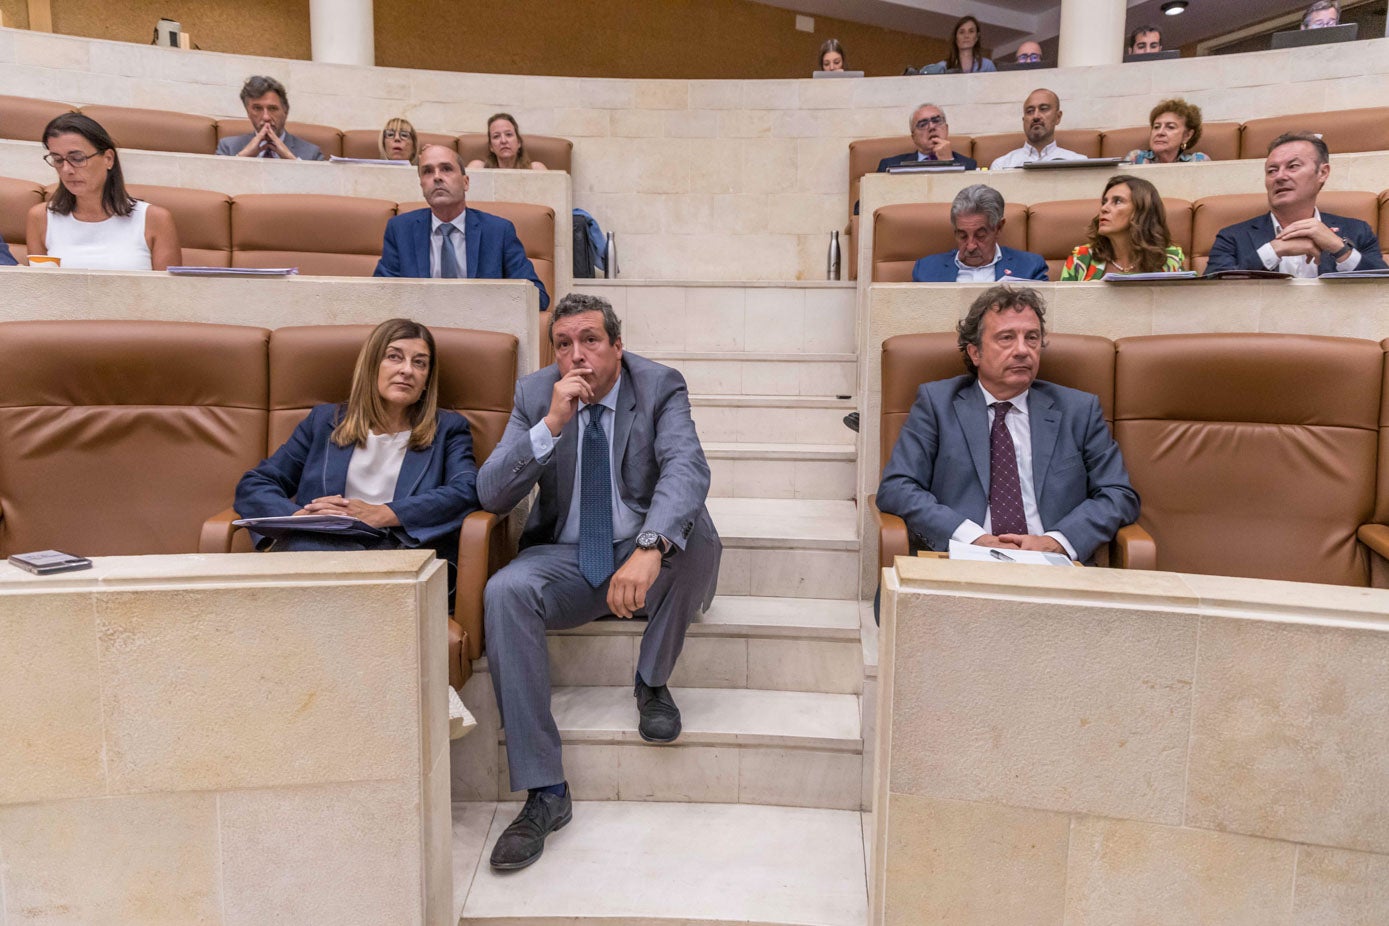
931 135
1001 459
267 106
619 527
1294 236
448 240
977 217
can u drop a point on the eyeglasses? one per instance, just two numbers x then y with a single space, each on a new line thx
928 121
395 133
1029 57
56 161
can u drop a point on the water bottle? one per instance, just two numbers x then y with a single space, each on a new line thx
832 264
610 257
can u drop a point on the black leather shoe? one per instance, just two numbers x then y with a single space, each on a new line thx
522 842
660 718
851 421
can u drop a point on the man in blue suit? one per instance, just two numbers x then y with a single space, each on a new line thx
1294 236
1001 459
448 240
977 217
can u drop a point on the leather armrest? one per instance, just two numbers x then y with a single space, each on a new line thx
483 548
217 533
893 540
1376 538
459 668
1133 548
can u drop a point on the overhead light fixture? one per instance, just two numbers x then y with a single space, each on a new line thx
1174 7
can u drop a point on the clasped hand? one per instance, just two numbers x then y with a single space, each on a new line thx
266 137
367 513
1039 542
1307 238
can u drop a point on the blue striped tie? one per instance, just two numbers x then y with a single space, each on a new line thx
595 503
448 257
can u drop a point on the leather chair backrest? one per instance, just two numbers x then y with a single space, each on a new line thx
535 226
1382 491
121 437
1254 454
866 153
905 232
1055 228
989 147
1079 361
366 143
312 365
17 197
1343 130
555 153
25 119
328 138
1219 141
1212 213
321 235
203 220
156 129
1381 227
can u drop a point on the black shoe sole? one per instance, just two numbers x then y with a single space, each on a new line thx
660 742
527 862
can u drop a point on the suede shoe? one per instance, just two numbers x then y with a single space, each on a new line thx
522 842
660 718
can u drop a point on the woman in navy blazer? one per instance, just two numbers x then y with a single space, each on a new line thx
415 473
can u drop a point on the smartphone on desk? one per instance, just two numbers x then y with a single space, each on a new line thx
47 562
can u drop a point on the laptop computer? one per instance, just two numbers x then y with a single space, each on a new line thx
1022 65
1297 38
837 74
1167 54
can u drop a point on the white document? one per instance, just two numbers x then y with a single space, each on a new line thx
972 551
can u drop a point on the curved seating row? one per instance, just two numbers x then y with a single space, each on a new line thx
904 232
159 130
319 234
170 414
1259 455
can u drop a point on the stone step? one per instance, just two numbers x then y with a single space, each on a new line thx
787 548
642 864
825 471
772 419
760 373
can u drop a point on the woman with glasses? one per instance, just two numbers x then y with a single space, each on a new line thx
399 141
91 222
505 146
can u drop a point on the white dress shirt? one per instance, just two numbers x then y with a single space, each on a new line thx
1020 430
436 242
985 274
373 470
1028 154
1298 265
626 522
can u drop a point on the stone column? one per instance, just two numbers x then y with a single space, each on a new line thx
342 31
1092 32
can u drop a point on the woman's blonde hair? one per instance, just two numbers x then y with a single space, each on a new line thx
366 412
400 125
523 160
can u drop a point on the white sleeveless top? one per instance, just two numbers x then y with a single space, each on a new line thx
118 243
374 469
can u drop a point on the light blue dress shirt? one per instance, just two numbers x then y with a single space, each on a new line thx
459 239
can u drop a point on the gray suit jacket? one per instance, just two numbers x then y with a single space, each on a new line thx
659 464
303 150
938 475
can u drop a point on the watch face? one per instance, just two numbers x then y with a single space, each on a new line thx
647 540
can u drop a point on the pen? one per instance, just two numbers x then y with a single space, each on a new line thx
998 554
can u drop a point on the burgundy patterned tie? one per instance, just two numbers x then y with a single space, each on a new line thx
1005 492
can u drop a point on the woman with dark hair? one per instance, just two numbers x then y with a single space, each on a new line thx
91 222
505 146
1129 235
388 457
832 57
967 48
399 142
1176 128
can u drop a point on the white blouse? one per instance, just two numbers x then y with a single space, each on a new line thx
374 469
117 243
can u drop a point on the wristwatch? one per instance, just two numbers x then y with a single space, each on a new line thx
650 540
1344 252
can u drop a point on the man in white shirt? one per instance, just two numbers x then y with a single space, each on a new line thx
1041 114
1294 236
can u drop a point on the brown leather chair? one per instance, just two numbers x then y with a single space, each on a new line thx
866 153
312 365
905 232
120 436
1381 226
366 143
1255 454
203 220
328 138
987 148
321 235
17 197
1343 130
1212 213
1055 228
1079 361
25 119
1219 141
156 129
555 153
1375 536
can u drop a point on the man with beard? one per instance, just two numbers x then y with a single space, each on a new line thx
1041 114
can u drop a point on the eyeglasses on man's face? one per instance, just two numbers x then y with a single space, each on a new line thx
1028 57
925 122
76 159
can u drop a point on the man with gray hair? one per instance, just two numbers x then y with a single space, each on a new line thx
1322 14
267 106
977 217
931 135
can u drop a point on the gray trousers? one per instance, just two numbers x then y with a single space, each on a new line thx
542 590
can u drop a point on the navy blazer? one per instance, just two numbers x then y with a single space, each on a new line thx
6 258
938 475
494 251
1013 265
301 148
436 490
910 158
1237 246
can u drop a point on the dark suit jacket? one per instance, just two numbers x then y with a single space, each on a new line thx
910 158
303 150
6 258
658 462
1237 246
494 251
938 475
1013 265
436 490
